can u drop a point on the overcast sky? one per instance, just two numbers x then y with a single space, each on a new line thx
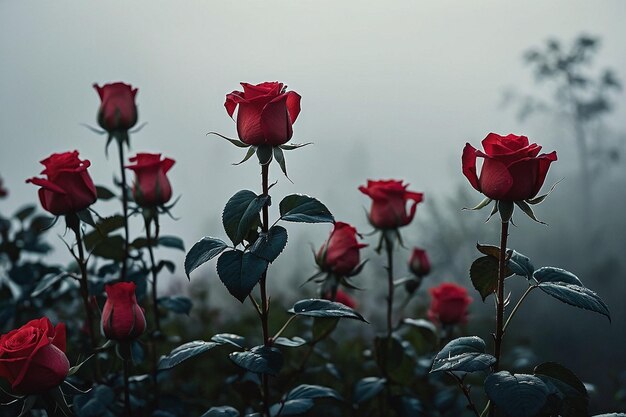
389 88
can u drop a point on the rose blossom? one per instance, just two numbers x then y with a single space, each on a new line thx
151 187
449 303
340 253
389 200
117 111
122 318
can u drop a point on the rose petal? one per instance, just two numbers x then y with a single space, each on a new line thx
468 161
275 122
495 180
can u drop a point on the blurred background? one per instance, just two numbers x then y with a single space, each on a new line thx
389 90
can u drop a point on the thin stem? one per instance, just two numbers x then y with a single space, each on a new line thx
155 304
389 249
466 392
127 388
263 287
84 288
282 329
500 302
517 306
120 144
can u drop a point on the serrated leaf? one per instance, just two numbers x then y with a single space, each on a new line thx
269 245
240 272
465 354
302 208
324 308
202 251
176 304
184 352
173 242
567 288
367 388
241 213
517 395
259 359
222 411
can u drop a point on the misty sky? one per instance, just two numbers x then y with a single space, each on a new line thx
389 89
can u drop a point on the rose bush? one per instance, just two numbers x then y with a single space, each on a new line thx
266 113
151 187
449 304
513 169
122 318
32 358
389 203
118 111
68 187
340 254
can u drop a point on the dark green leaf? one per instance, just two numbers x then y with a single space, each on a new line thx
292 146
176 304
184 352
291 407
520 264
422 334
484 275
575 399
489 250
269 245
280 158
112 247
505 208
86 217
223 411
241 213
393 359
249 153
322 327
566 287
465 354
259 359
302 208
312 391
480 205
240 272
293 342
235 142
204 250
517 395
103 228
367 388
230 339
48 281
173 242
324 308
104 193
24 212
27 405
528 211
264 153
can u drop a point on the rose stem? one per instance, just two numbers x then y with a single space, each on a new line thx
500 301
466 393
264 307
120 144
157 324
84 285
127 388
389 249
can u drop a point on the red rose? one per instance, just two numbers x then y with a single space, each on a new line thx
69 188
266 112
122 318
340 253
3 191
389 203
449 304
419 263
343 298
513 170
32 358
151 187
118 111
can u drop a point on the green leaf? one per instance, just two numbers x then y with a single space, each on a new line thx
302 208
48 281
229 339
24 212
264 153
484 275
235 142
465 354
248 155
367 388
489 250
566 287
86 217
103 228
422 335
176 304
259 359
173 242
293 342
204 250
520 264
269 245
280 158
112 247
223 411
291 407
240 272
322 327
528 211
324 308
312 391
184 352
104 193
480 205
517 395
393 360
241 214
575 400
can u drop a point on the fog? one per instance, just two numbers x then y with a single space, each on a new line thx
389 90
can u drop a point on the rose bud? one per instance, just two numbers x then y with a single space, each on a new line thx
413 284
68 187
342 297
419 264
117 111
32 358
266 113
122 318
513 169
389 200
340 254
3 191
151 187
449 304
